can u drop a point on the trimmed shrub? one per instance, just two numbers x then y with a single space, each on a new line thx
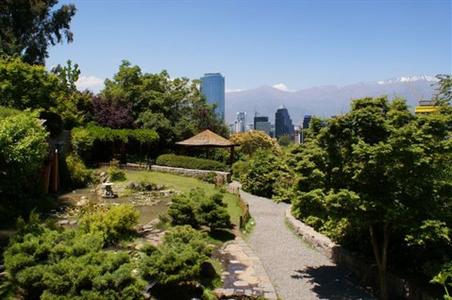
196 209
42 262
179 258
181 161
114 224
80 176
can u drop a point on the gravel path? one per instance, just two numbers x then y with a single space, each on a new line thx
297 271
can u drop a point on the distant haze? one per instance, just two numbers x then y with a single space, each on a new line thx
324 101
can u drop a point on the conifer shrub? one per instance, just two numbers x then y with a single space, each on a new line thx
179 258
44 262
197 209
114 224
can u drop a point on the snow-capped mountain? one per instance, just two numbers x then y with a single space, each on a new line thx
324 100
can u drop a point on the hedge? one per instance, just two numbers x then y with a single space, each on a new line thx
88 139
180 161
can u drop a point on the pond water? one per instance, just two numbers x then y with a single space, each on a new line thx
150 205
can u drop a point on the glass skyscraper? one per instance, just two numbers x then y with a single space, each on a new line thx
283 123
261 123
212 87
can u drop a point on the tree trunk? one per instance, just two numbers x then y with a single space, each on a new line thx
381 257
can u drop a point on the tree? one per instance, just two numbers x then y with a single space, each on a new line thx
251 141
444 88
112 114
285 140
382 171
174 107
28 27
23 150
25 86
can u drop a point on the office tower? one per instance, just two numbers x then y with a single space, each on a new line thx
283 123
240 122
261 123
212 87
306 121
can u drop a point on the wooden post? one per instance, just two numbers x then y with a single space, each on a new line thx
55 175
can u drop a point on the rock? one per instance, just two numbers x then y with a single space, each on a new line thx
63 222
73 222
240 283
82 202
139 246
132 185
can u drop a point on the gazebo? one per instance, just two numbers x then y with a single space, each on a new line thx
209 139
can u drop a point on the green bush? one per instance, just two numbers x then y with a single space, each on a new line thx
180 161
262 174
114 224
444 277
23 150
45 263
239 169
80 176
196 209
8 111
116 174
179 258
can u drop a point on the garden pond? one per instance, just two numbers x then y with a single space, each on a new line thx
150 204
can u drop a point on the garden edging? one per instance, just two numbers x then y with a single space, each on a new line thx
360 267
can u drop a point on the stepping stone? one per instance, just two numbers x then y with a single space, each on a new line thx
240 283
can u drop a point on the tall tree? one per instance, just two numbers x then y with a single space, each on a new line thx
384 173
28 27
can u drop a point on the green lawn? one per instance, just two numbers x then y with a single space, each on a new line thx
185 184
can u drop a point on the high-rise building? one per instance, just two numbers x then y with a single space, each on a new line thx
240 122
261 123
306 121
212 87
283 123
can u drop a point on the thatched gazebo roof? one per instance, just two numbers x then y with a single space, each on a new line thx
206 138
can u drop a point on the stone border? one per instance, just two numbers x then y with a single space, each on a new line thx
360 267
226 176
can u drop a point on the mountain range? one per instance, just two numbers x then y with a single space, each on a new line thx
324 101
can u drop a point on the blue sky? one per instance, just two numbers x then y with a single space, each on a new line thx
253 43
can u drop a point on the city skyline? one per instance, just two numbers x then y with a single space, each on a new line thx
306 43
